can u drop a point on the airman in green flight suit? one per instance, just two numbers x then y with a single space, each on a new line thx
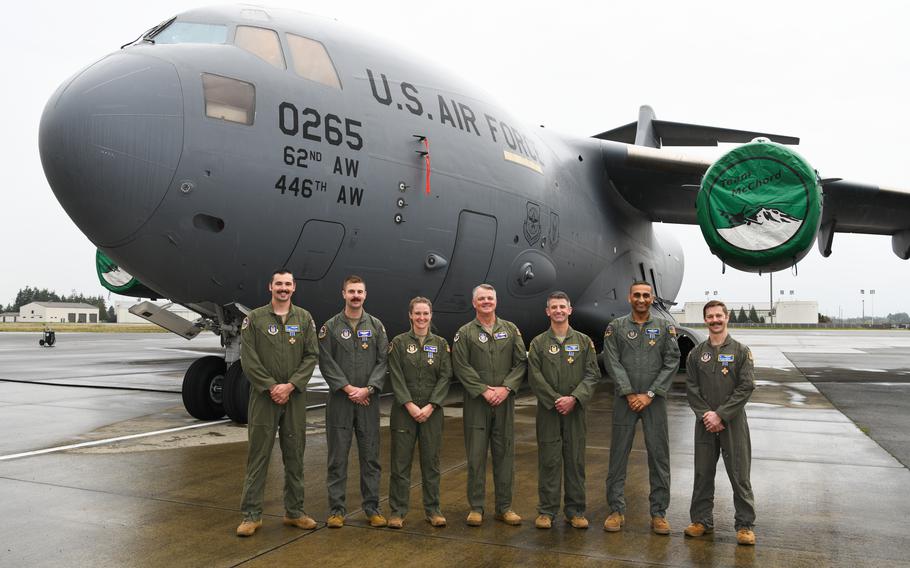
278 354
489 358
641 355
563 373
420 369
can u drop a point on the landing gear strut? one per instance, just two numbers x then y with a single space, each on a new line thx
202 388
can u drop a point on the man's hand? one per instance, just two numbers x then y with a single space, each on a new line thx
358 395
638 402
414 410
712 422
496 395
565 404
281 393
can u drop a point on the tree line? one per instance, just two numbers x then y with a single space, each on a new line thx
28 295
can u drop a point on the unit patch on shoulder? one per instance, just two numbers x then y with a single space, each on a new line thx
245 324
609 331
457 336
322 331
671 329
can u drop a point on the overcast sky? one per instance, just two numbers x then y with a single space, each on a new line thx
834 74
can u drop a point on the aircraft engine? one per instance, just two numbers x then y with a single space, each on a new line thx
759 207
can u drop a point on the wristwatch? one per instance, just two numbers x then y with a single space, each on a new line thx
650 394
371 388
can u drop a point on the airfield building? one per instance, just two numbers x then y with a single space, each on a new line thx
58 312
9 317
785 311
122 309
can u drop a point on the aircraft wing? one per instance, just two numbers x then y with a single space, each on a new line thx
663 185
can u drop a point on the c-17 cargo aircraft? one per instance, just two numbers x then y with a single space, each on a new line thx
229 141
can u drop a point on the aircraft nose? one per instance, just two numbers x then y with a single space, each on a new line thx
110 142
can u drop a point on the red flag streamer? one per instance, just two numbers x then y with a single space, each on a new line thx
426 144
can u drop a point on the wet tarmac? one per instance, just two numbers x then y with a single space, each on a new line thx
827 494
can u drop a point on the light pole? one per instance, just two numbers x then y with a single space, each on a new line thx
872 299
862 294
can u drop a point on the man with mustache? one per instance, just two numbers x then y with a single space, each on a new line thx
353 350
719 383
279 353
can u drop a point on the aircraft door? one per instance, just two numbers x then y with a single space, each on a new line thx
316 249
470 263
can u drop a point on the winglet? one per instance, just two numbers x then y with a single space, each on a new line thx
653 133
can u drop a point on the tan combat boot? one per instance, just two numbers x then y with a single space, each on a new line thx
377 520
614 522
659 525
304 522
745 536
475 519
543 522
395 522
698 529
436 520
335 521
510 517
578 522
248 527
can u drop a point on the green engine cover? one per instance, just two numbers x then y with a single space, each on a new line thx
118 280
759 207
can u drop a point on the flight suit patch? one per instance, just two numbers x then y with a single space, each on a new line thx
609 331
652 335
412 348
554 349
706 356
245 324
345 333
632 334
500 335
483 337
457 335
273 329
322 331
671 329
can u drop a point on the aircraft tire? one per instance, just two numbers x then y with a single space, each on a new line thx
203 388
236 393
41 342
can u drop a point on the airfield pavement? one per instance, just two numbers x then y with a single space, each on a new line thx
101 466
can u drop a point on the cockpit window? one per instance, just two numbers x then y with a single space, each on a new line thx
312 61
189 32
229 99
262 43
